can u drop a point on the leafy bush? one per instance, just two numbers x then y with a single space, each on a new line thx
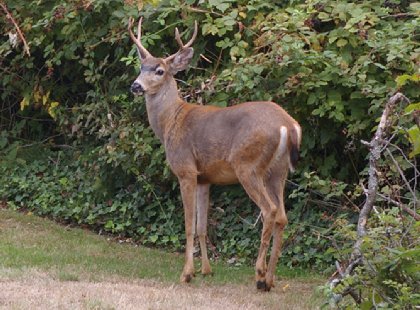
390 276
387 256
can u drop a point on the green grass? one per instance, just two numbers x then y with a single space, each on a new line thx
74 254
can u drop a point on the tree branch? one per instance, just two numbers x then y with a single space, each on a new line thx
401 206
400 15
375 152
376 148
10 17
402 175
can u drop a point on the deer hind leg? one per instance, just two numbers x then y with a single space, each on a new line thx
275 185
188 186
254 186
203 191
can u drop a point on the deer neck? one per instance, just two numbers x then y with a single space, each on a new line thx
162 108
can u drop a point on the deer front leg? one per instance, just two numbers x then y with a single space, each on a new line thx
203 191
188 186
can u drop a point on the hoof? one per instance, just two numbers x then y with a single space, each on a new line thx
187 278
262 286
206 270
207 273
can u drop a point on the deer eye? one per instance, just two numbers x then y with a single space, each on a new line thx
160 72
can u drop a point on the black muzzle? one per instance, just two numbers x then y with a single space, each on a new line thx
136 88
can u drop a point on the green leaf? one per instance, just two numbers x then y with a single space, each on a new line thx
109 225
342 42
366 305
228 21
287 38
324 16
414 137
412 107
219 4
3 142
356 95
334 96
153 238
11 155
402 79
414 253
311 99
119 14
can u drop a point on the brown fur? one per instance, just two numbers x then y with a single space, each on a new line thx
210 145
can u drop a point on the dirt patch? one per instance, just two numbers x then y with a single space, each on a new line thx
38 290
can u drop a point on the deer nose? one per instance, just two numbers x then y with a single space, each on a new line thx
136 88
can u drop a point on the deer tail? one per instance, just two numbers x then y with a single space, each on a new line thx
295 137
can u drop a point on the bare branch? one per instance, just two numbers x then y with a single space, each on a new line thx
402 175
376 145
402 206
258 218
376 148
405 157
400 15
21 36
339 269
41 142
198 10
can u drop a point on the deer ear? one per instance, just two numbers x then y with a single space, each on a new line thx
181 60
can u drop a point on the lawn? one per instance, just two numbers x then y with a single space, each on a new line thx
39 253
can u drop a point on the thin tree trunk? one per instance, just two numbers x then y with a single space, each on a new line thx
376 147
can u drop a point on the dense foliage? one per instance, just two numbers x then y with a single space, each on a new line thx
391 275
75 145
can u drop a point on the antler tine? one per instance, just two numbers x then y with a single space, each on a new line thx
143 52
182 45
178 38
139 28
190 42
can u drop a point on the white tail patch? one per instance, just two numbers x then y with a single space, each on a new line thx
282 148
291 169
298 138
299 133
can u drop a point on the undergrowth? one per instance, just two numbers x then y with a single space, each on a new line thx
54 185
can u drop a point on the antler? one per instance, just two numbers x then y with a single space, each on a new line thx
181 45
143 52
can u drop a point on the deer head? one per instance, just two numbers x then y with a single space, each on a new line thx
156 72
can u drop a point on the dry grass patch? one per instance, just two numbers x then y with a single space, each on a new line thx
37 290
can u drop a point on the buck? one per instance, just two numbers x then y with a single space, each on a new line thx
253 143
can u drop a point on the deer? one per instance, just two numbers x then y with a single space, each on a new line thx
252 143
